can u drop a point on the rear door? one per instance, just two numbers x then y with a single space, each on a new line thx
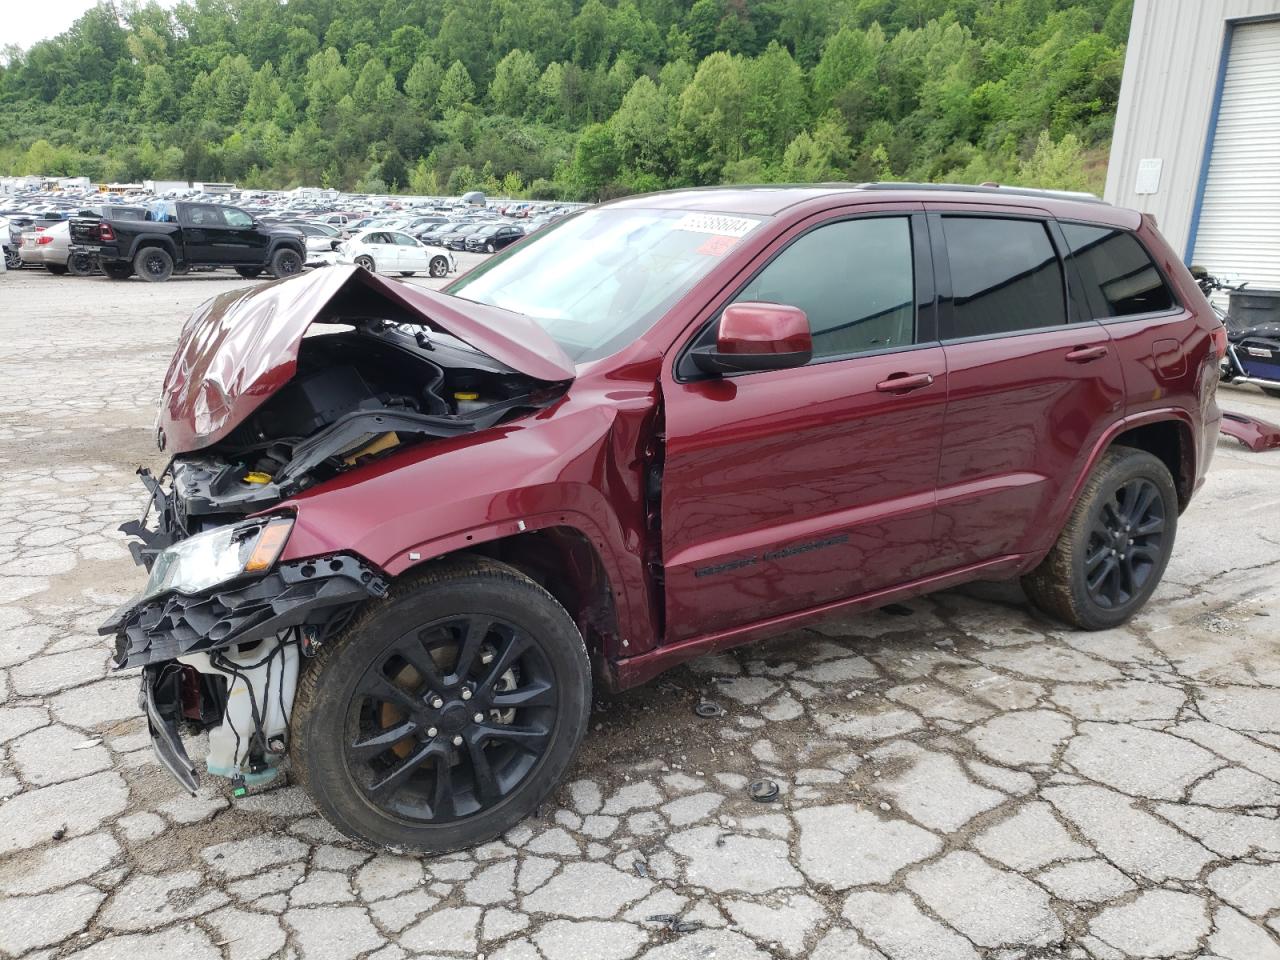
788 489
1033 383
202 233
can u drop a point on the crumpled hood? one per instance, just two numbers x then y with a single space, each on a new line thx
242 346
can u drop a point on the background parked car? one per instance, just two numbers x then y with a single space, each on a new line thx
47 247
392 251
493 238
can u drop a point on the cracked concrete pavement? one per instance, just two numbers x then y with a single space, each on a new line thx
959 777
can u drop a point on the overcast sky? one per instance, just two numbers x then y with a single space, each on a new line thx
26 21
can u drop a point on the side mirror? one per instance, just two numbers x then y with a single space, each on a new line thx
757 336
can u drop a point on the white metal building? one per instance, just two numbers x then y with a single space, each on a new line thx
1197 134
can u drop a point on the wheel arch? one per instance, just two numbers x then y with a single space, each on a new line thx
154 240
564 561
1170 441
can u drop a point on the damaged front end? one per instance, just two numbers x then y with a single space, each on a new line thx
255 412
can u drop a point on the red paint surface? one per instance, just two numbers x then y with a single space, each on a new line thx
807 491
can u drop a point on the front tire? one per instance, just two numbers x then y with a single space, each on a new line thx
439 267
153 264
285 263
1113 551
366 262
444 713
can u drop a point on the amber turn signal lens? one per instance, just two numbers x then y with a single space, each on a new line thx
269 544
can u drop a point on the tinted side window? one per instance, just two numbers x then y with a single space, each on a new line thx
1005 276
202 216
854 281
1119 278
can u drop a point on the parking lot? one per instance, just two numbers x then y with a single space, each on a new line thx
957 776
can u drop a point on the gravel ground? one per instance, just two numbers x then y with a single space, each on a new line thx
959 777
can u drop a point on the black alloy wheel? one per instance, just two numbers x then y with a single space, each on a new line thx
451 718
1113 550
444 713
1125 544
153 265
285 263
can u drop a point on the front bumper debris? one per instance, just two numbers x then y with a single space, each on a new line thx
1257 435
318 593
161 700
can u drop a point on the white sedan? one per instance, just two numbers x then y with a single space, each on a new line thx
390 251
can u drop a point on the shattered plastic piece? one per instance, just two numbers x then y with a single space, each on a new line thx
763 791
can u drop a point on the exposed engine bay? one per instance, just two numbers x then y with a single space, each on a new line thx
357 394
221 629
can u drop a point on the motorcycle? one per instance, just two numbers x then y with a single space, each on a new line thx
1253 349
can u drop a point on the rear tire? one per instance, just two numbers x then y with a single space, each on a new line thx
153 264
1111 554
285 262
249 273
448 781
117 271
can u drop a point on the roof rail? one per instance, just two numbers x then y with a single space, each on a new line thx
990 188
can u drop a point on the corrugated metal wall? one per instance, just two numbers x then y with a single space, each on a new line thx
1171 72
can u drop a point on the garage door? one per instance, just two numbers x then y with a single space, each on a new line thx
1239 232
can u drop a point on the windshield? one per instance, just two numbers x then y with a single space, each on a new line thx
597 281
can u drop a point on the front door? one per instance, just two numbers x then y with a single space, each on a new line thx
1033 381
244 242
787 489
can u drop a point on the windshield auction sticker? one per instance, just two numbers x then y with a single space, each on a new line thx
716 223
717 246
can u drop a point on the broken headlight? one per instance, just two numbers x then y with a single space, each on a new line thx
208 559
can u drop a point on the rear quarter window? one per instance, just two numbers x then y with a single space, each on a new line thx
1120 279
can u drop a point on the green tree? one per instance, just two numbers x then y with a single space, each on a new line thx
711 124
456 89
515 79
776 107
422 85
641 128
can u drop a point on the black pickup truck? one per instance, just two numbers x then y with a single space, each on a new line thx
178 236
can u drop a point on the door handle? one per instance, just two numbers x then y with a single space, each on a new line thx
903 382
1085 354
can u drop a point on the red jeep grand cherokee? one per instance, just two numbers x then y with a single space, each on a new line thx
394 548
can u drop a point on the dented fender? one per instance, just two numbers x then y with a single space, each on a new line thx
578 464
